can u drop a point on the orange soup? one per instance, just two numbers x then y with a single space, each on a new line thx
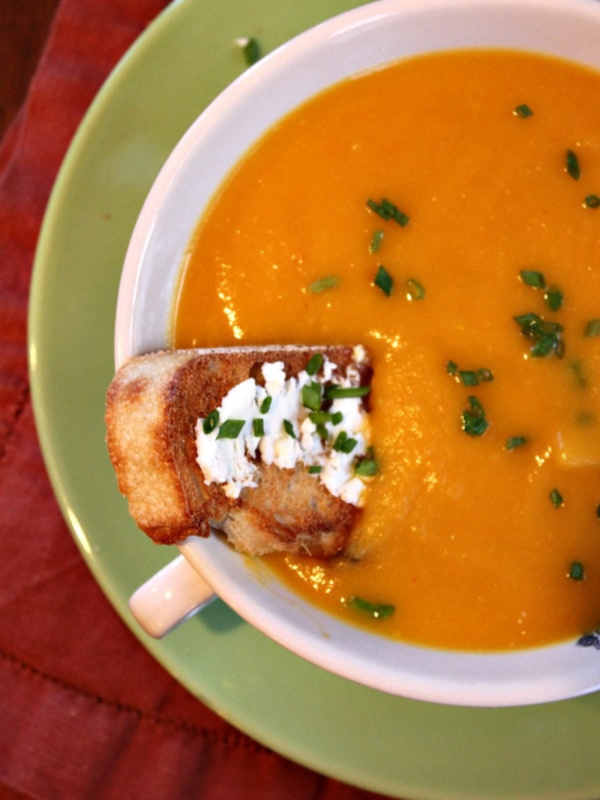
444 213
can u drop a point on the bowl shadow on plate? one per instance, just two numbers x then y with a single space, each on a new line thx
218 617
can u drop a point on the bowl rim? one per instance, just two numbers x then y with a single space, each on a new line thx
459 678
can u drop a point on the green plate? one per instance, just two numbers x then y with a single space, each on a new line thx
386 744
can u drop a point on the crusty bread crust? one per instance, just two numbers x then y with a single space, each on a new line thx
152 406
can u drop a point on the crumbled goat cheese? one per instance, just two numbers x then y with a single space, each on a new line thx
231 462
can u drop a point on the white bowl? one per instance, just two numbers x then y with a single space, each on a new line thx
367 37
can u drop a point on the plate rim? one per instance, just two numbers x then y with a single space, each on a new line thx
39 275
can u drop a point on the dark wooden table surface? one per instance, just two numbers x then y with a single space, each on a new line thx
24 26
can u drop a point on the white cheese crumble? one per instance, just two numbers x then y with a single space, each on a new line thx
290 436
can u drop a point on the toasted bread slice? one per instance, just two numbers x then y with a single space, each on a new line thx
152 407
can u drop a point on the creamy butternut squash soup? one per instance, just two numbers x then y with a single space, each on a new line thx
444 212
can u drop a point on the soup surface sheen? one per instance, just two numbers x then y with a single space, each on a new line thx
479 541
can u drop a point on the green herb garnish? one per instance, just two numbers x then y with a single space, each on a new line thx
556 498
554 298
592 329
323 284
592 201
469 377
415 290
315 363
335 392
523 111
312 395
585 418
474 422
266 404
322 431
250 48
367 467
315 469
289 428
383 280
515 441
211 422
320 417
485 375
344 443
576 571
578 371
572 165
387 210
231 429
376 610
546 336
533 278
258 427
376 241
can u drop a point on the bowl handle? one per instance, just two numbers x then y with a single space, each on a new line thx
169 597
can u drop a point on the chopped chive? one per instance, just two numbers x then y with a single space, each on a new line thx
585 418
376 241
349 445
554 298
578 371
376 610
258 427
335 392
322 431
474 422
523 111
367 467
211 421
344 443
383 280
314 469
556 498
388 210
315 363
576 571
415 290
533 278
592 329
515 441
312 395
592 201
572 165
250 48
546 336
324 283
289 428
320 417
468 377
230 429
339 442
266 404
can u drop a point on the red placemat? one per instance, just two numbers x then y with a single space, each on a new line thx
85 712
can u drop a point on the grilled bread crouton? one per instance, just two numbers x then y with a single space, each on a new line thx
159 404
